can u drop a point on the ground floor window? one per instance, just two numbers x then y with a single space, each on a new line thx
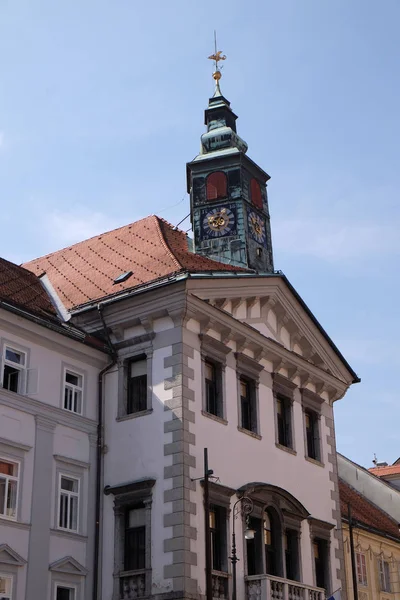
5 587
65 593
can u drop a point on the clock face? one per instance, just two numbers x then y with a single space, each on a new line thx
218 222
256 227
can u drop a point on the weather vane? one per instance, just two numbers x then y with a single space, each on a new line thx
216 57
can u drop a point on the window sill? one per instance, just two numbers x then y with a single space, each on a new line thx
252 434
214 417
141 413
4 521
74 535
286 449
314 461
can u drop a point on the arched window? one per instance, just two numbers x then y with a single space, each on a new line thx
216 186
256 196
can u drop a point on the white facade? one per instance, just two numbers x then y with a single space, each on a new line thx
153 458
47 442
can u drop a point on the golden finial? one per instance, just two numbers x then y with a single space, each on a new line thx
216 57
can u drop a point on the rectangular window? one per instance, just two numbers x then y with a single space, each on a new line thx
384 575
213 387
73 390
361 569
291 541
137 386
248 404
68 504
5 587
64 593
9 473
253 547
14 368
312 435
218 538
320 548
284 421
135 539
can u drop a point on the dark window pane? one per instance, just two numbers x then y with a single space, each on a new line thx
218 538
10 378
212 385
135 548
64 593
254 550
137 394
283 417
321 562
247 405
312 435
292 555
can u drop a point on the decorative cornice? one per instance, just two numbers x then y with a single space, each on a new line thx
71 461
45 424
14 444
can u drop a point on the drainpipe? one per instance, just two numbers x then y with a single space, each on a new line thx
99 456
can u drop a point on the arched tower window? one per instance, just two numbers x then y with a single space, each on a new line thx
256 196
216 186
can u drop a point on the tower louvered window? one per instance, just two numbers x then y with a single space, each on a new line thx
256 196
216 186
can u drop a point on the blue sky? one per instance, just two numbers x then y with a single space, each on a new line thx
101 106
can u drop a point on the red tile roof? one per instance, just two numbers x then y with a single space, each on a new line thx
151 248
383 471
365 512
23 289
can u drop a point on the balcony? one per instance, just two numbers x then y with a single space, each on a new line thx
265 587
133 584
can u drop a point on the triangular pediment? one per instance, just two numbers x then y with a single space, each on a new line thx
68 565
271 306
8 556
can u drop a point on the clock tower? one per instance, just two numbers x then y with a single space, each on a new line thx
228 192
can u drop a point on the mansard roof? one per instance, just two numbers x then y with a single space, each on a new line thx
365 513
151 249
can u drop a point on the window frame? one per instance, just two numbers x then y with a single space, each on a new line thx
68 586
214 352
69 494
321 530
248 370
13 478
219 193
385 584
22 369
283 391
139 347
127 495
130 401
285 416
312 403
361 566
81 389
313 418
12 580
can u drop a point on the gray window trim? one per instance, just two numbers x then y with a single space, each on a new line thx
215 352
128 351
125 495
10 571
72 468
82 373
250 369
312 402
5 342
282 387
15 453
67 580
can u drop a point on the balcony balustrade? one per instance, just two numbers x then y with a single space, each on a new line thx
266 587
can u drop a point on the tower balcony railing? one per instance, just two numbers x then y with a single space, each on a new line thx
266 587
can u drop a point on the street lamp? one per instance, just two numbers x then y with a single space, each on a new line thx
244 507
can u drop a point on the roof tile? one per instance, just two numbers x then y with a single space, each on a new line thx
365 512
151 248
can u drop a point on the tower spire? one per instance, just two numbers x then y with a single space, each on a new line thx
216 57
